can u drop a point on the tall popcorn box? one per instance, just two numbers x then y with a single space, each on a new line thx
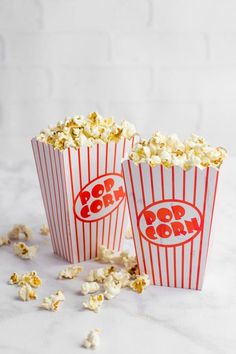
171 212
84 197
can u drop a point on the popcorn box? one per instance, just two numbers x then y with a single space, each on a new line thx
171 212
84 197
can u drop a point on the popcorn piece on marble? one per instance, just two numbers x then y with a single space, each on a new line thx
94 303
4 240
70 272
26 293
111 287
20 229
52 302
92 340
44 230
23 251
140 283
89 287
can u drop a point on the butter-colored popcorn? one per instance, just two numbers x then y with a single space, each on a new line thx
123 258
4 240
77 131
111 287
89 287
105 255
140 283
122 276
70 272
92 340
30 278
171 151
94 303
44 230
14 278
26 293
19 229
23 251
100 274
52 302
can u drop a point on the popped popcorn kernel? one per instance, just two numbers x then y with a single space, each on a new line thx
70 272
112 287
123 258
100 274
4 240
105 255
52 302
26 293
140 283
170 151
20 229
23 251
14 279
30 278
122 276
92 340
94 303
44 230
89 287
77 131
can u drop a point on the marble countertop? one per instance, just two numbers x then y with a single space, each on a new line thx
162 320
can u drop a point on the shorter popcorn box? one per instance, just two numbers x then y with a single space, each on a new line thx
171 212
84 197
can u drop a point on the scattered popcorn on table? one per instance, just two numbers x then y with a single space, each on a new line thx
94 303
19 229
44 230
171 151
77 131
52 302
123 258
128 233
112 287
100 274
23 251
4 240
70 272
30 278
89 287
140 283
92 340
26 293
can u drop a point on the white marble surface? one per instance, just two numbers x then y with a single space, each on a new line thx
162 320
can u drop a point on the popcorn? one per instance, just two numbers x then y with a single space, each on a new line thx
89 287
105 255
93 339
112 287
70 272
30 278
23 251
122 276
26 293
44 230
94 303
171 151
77 131
123 258
100 274
4 240
140 283
19 229
52 302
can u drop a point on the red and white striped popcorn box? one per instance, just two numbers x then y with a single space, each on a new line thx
171 212
84 197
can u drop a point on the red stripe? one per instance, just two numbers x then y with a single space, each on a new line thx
88 151
150 254
114 238
90 245
57 203
50 193
184 183
175 278
135 246
103 225
62 166
132 142
135 204
182 274
162 183
44 195
73 197
173 196
191 249
114 164
97 160
204 210
157 247
80 181
124 143
90 225
96 239
122 224
109 231
167 267
106 161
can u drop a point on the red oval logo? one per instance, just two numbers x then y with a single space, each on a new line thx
170 223
100 197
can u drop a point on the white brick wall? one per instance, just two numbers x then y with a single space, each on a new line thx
163 64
